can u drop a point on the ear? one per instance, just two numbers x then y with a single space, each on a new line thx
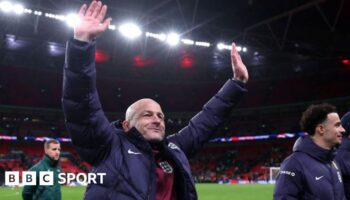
320 129
126 125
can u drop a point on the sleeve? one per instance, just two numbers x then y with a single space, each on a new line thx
86 122
202 126
343 160
29 190
289 181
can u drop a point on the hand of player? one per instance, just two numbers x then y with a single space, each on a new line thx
239 69
92 22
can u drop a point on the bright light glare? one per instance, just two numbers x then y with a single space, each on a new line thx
39 13
18 9
244 49
28 11
187 41
72 20
239 48
222 46
111 27
173 39
202 44
161 36
130 30
6 6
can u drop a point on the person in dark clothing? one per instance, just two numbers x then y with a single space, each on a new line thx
343 154
48 163
311 172
139 161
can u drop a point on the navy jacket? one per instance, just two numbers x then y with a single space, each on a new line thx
343 158
127 158
310 173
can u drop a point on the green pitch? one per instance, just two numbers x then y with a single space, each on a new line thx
205 192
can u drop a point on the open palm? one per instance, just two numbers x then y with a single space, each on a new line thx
92 22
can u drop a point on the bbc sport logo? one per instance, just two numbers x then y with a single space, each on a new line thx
46 178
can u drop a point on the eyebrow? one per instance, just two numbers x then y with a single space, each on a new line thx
149 111
338 123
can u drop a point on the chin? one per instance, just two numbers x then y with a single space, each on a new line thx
156 139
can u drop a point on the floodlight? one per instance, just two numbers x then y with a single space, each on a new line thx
173 39
187 41
72 19
6 6
202 44
18 9
130 30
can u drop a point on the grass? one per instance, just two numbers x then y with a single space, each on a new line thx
205 192
234 192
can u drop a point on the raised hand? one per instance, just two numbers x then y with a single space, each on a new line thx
92 22
239 69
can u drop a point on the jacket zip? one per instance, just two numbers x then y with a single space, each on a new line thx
153 168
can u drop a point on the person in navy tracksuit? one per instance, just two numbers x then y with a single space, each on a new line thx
343 154
311 172
139 161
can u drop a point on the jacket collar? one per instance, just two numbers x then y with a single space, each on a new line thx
49 161
138 140
306 145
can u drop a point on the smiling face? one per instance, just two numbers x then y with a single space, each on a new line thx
331 130
147 117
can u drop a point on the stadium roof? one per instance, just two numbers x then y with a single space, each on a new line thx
288 32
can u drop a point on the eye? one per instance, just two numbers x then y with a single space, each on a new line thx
147 114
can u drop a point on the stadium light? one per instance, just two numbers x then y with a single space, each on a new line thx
130 30
111 27
53 16
29 11
6 6
72 19
187 41
160 36
39 13
222 46
202 44
18 9
173 39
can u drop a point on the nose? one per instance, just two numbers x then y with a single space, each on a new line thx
342 130
156 119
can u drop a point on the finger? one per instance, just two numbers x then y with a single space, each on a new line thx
235 57
97 9
233 53
102 13
91 8
106 23
82 10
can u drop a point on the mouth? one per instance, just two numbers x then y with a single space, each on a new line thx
156 129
